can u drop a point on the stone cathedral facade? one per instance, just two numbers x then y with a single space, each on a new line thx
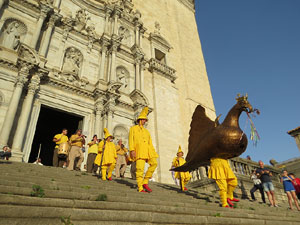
100 61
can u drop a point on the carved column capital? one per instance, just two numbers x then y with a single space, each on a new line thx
55 17
21 80
34 84
45 9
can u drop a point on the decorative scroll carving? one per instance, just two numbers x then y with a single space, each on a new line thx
12 32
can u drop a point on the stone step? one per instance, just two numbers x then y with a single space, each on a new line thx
71 193
115 200
15 211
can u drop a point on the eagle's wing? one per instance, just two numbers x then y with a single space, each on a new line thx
200 125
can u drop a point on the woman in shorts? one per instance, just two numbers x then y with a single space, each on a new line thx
289 189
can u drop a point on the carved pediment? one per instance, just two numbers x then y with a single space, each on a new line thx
139 98
27 54
155 37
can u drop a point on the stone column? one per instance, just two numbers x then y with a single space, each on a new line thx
98 119
107 15
114 49
109 120
13 104
23 120
142 76
116 17
105 44
44 11
137 75
48 34
137 35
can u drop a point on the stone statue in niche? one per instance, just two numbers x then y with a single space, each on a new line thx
72 61
125 36
123 77
11 35
81 19
121 133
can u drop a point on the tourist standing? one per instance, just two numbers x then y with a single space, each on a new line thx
289 189
92 153
142 151
108 161
59 139
77 141
265 176
257 186
183 177
296 184
121 159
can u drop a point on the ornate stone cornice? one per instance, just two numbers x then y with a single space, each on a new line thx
162 69
8 64
190 4
26 4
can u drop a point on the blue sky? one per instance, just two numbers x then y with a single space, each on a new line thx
253 46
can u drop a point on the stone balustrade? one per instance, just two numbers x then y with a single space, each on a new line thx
162 68
240 166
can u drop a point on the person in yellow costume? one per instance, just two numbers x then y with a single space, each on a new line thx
59 139
109 156
183 177
221 172
142 151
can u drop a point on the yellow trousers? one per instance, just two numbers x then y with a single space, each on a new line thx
110 170
226 187
140 165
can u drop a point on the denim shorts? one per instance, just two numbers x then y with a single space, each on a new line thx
268 186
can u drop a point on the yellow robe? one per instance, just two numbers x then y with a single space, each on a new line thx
140 142
184 175
110 153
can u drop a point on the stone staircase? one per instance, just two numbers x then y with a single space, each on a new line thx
81 199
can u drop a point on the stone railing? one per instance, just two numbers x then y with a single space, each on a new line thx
162 69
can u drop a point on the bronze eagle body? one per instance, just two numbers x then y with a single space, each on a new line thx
209 139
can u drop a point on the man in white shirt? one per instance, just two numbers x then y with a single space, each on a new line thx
257 186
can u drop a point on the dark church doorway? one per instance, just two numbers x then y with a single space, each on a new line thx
51 122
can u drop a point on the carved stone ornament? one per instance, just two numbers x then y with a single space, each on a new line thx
34 84
138 98
26 53
70 79
81 19
124 35
12 32
72 61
